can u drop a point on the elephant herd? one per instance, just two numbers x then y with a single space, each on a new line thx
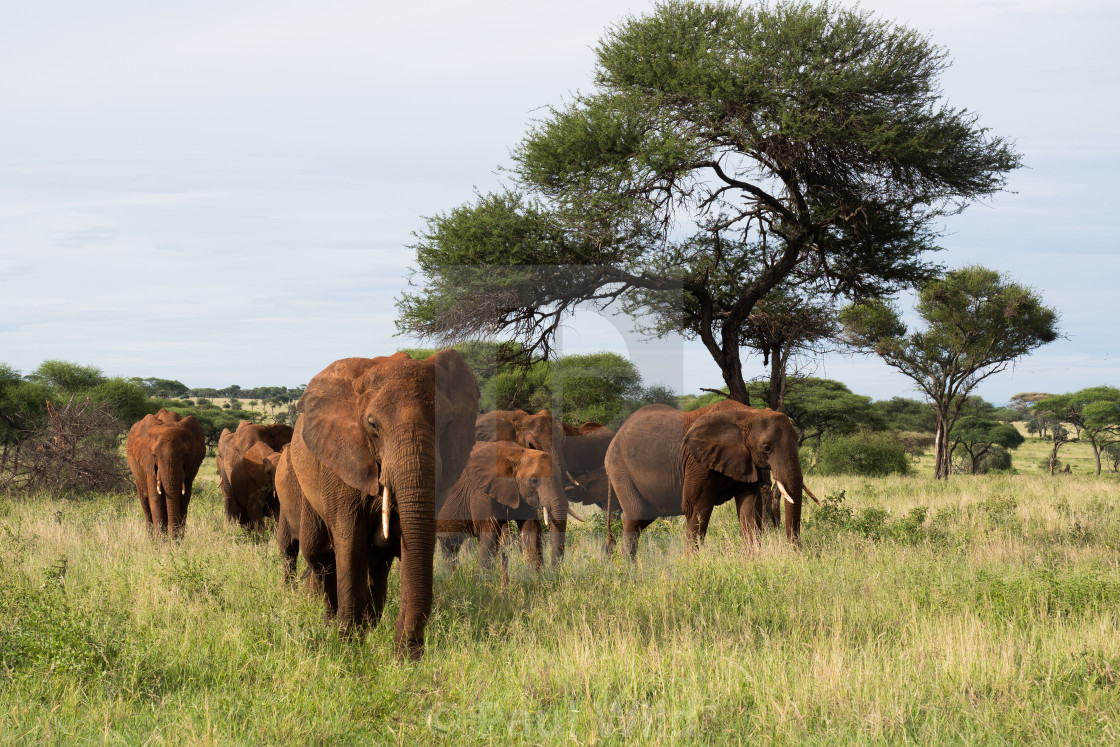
389 456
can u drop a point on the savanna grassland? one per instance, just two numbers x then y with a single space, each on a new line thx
982 610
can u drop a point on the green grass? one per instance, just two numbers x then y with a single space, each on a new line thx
980 610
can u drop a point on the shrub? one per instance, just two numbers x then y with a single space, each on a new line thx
867 454
997 459
915 443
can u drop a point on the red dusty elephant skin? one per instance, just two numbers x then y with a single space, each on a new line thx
664 462
503 483
377 447
164 453
545 433
247 475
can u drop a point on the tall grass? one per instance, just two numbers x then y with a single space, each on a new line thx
984 609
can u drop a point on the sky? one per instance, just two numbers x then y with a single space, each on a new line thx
224 192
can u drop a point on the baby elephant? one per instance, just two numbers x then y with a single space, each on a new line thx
502 482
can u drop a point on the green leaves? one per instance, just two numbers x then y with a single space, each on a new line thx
976 323
725 149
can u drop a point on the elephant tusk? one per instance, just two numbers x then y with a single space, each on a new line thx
386 498
546 516
572 512
574 481
810 494
785 493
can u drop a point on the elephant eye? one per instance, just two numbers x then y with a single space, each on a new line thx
534 481
766 448
374 426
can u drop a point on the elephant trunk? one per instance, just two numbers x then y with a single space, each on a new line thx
791 484
171 481
554 503
412 481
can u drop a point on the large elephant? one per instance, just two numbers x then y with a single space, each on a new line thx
503 483
543 433
379 443
164 452
246 474
664 462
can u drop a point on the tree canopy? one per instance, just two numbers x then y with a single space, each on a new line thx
976 323
603 387
976 438
725 150
1094 412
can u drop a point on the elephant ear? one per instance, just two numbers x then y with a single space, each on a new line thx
196 437
330 414
719 444
493 470
456 399
276 435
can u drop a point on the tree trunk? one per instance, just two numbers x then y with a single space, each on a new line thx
1054 453
941 448
777 379
1097 456
736 387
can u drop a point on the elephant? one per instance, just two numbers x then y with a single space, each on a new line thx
664 462
291 502
164 452
585 450
502 482
378 445
544 433
247 475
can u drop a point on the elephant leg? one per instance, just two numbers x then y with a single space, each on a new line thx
379 583
487 544
631 530
748 504
450 544
315 544
531 546
351 558
158 510
503 538
142 494
696 529
288 541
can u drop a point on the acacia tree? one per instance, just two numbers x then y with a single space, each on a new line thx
784 325
1094 413
977 322
724 150
978 436
1023 403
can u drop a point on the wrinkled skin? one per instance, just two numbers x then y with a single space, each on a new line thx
664 462
543 433
164 452
289 498
367 426
247 475
585 452
503 483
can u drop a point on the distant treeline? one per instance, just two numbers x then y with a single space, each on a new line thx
840 431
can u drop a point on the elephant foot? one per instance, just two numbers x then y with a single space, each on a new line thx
410 643
410 648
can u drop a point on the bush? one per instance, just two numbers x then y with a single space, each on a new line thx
915 443
867 454
997 459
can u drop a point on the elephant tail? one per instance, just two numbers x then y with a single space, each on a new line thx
610 498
